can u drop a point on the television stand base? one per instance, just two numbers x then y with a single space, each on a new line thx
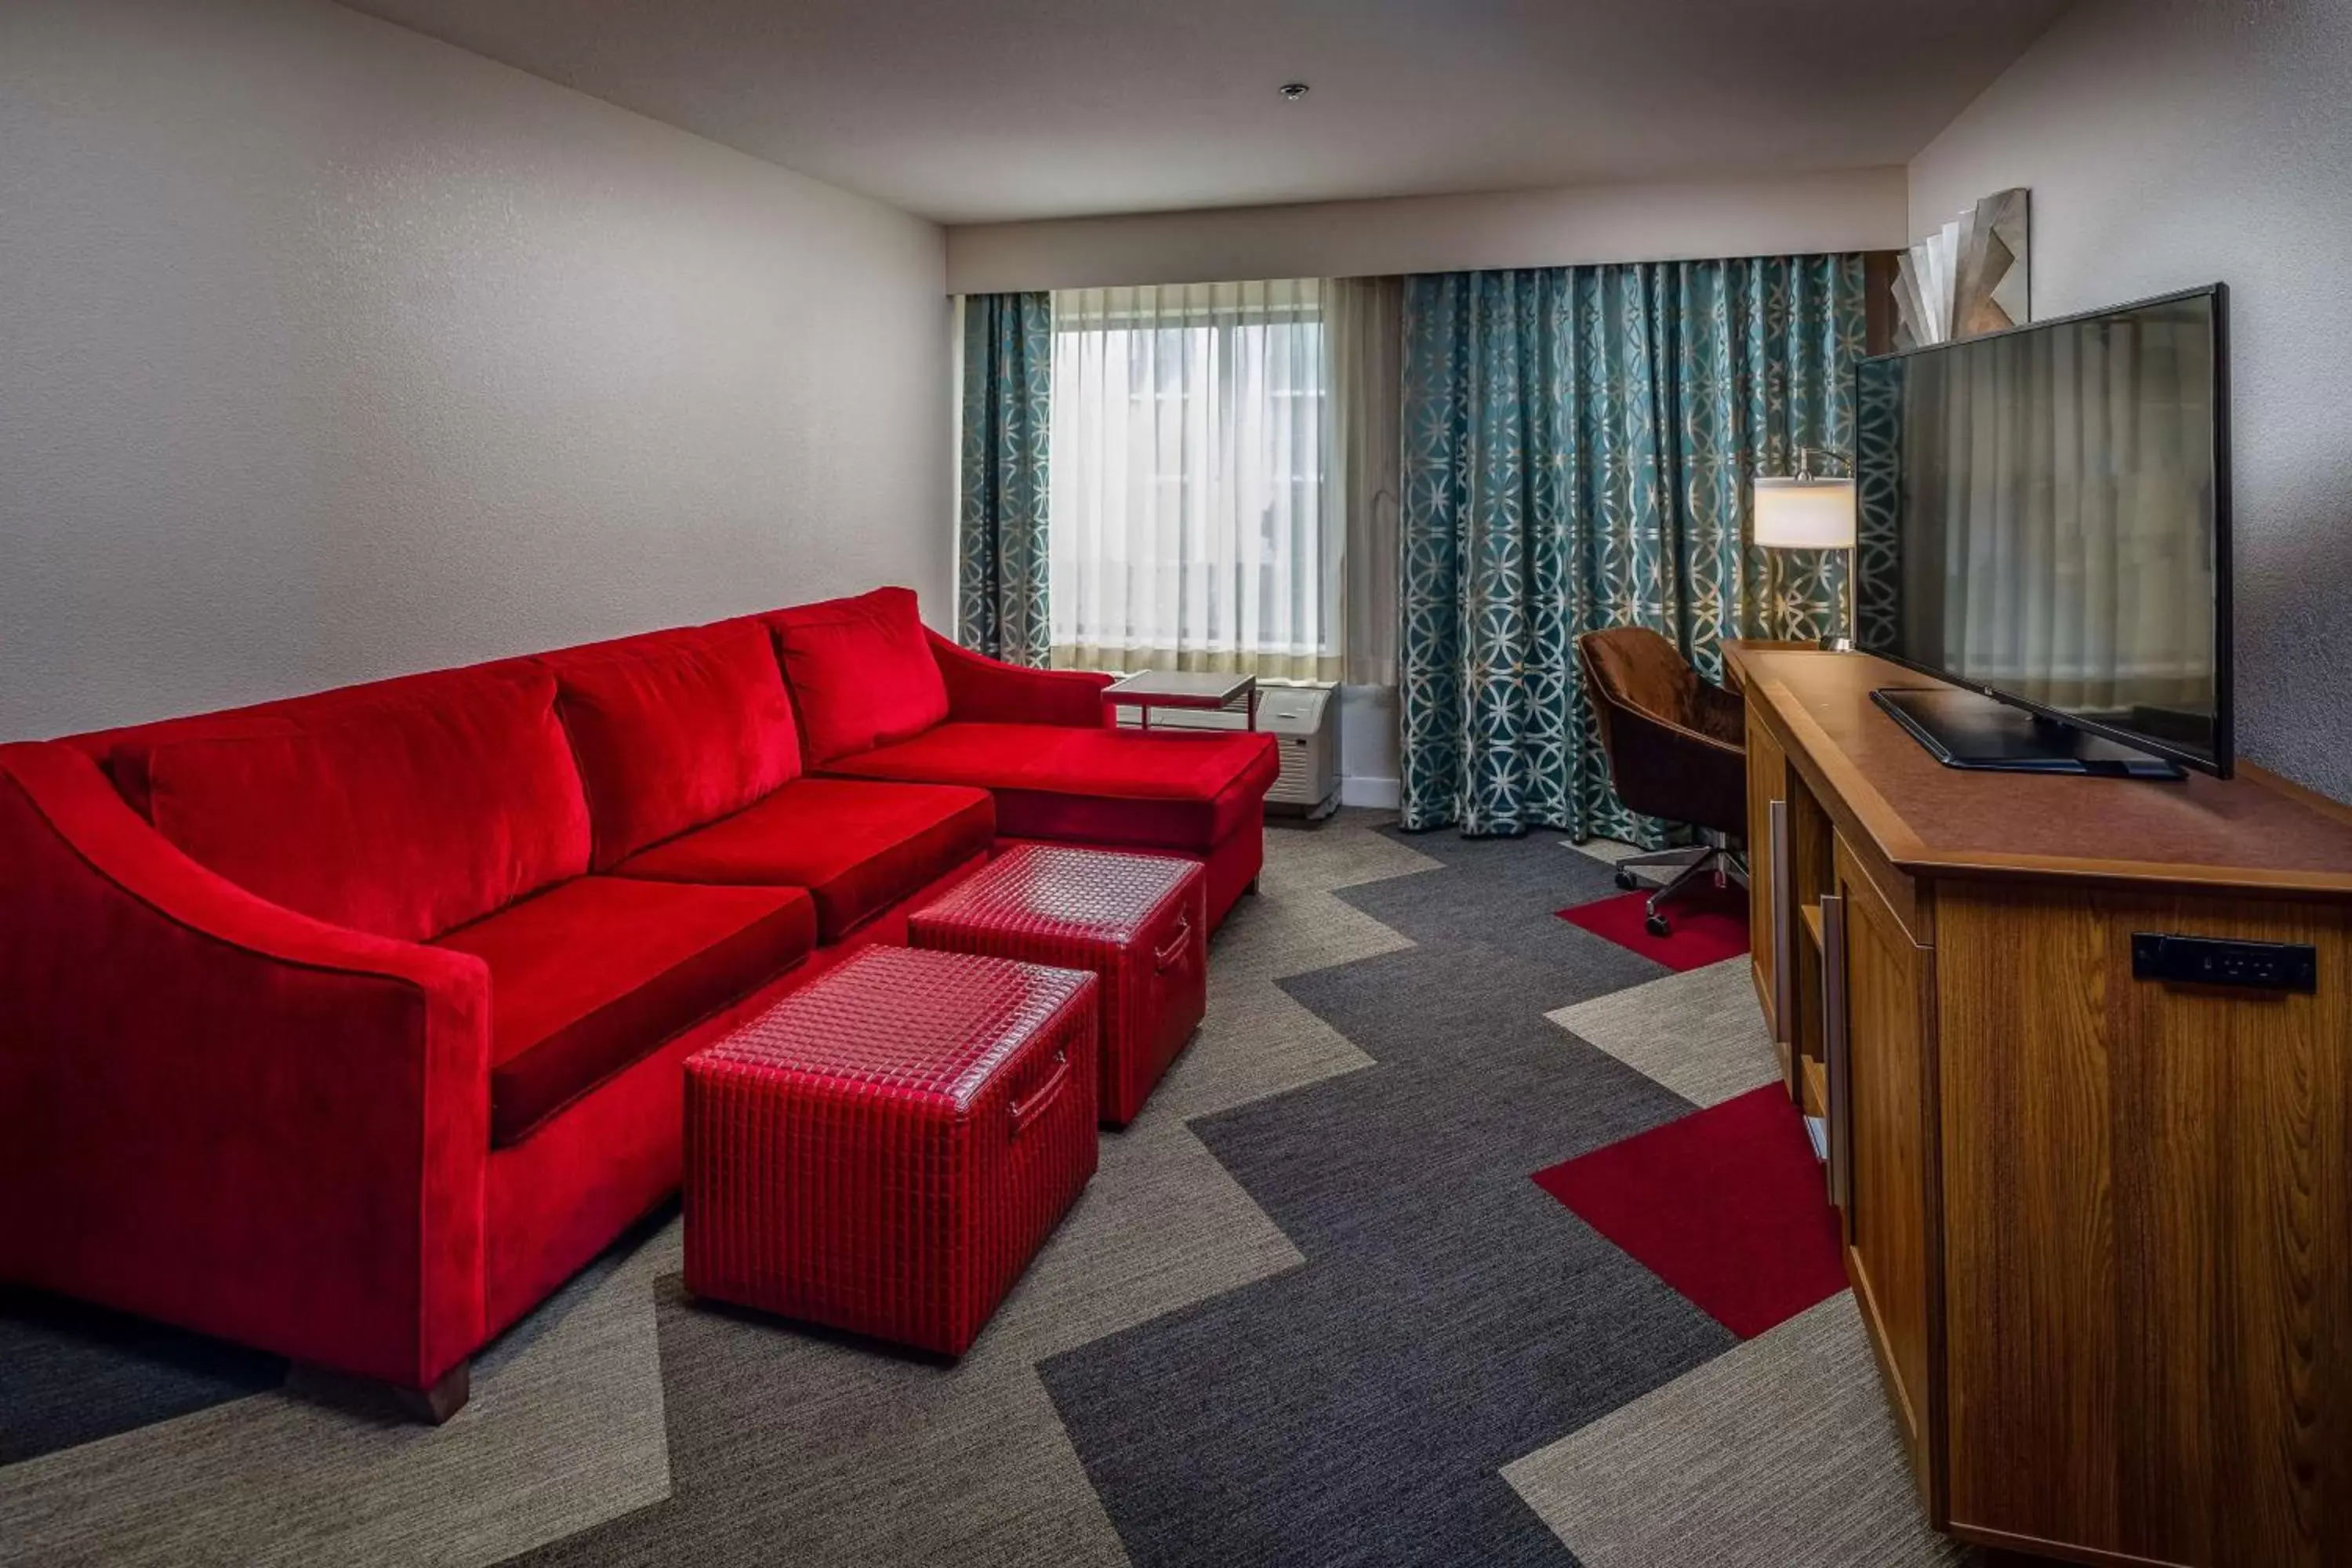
1963 729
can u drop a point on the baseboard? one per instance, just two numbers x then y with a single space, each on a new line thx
1379 794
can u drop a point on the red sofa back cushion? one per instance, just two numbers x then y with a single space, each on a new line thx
428 803
861 671
674 730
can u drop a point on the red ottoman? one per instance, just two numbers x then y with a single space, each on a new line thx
886 1149
1140 921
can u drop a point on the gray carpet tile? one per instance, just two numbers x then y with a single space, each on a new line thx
1503 894
71 1374
1470 1085
1780 1454
1699 1033
1358 1409
1448 1315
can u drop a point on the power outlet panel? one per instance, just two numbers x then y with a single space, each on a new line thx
2216 961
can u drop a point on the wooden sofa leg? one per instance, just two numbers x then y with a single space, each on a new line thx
431 1405
435 1405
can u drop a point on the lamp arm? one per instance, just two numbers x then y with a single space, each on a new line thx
1829 455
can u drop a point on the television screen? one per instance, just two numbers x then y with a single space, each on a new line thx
2045 520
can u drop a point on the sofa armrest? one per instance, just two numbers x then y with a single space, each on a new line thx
224 1114
986 691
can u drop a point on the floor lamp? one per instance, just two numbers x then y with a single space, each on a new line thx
1809 511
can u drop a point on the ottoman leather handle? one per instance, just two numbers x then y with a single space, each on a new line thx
1165 958
1025 1111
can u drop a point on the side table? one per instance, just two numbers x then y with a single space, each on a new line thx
1184 688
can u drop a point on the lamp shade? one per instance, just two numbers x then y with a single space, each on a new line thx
1804 514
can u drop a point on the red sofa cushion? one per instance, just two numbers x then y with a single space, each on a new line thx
861 670
427 804
1107 786
590 976
857 846
674 730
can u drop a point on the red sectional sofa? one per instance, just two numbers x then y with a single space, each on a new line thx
349 1027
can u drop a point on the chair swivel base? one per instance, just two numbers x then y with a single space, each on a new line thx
1718 864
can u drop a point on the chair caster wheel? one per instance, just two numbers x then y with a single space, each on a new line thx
1627 880
1656 925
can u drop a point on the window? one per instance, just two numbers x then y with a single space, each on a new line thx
1193 521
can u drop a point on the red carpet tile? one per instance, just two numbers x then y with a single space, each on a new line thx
1711 924
1728 1205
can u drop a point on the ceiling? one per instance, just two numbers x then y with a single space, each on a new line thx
979 110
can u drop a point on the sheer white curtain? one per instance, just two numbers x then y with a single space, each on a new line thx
1196 520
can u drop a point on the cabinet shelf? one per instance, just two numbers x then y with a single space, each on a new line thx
1817 1087
1809 917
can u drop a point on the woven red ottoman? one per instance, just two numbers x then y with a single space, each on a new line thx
1140 922
886 1149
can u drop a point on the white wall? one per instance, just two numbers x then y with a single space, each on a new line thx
1370 772
2169 143
1860 209
328 352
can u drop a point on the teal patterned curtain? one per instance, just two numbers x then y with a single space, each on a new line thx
1577 446
1008 420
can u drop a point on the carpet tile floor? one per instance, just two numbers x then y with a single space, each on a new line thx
1313 1309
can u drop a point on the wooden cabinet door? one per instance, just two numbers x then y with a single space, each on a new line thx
2148 1230
1881 1018
1767 787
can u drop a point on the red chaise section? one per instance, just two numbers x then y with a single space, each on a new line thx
1038 740
1156 790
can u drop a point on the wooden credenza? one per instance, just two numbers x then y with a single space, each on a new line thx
2100 1226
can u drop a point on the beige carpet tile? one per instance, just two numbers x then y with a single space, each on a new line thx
1607 850
795 1448
1780 1453
1699 1033
564 1431
1256 1041
1161 1226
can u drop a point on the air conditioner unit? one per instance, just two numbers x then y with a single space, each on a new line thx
1304 724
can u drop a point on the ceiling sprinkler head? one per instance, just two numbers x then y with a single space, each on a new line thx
1292 91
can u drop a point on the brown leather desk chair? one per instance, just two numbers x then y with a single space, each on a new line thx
1675 750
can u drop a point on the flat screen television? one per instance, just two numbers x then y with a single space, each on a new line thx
2045 522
